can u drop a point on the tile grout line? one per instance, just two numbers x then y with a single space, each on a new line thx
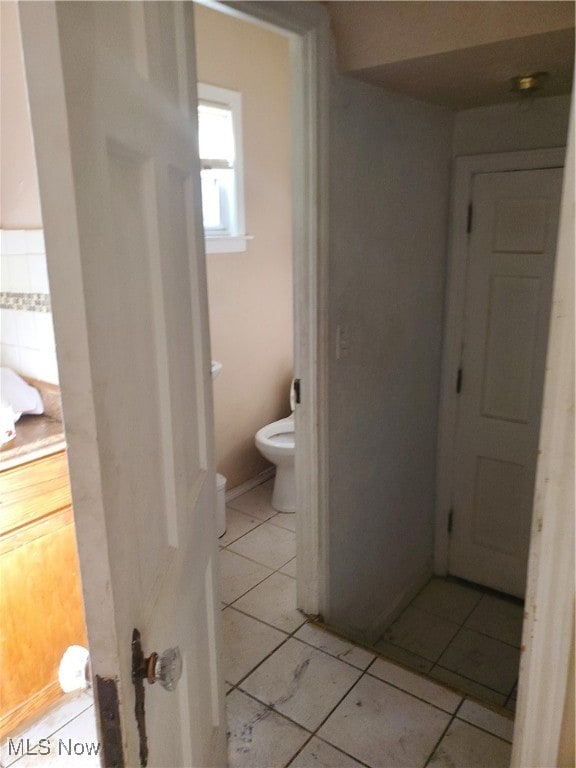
267 624
490 637
483 729
444 732
312 734
292 634
335 707
273 709
315 736
419 698
272 571
284 641
509 697
462 625
471 680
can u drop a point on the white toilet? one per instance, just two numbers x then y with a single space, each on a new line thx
276 443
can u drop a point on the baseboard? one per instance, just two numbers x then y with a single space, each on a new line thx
263 477
34 706
377 628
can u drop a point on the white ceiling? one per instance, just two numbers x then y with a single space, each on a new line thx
428 51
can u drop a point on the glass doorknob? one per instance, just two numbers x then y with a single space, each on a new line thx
164 668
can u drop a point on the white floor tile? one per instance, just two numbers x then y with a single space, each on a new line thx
238 575
318 754
416 685
258 737
421 633
257 502
268 544
335 646
487 719
498 618
482 659
75 744
464 746
237 524
246 643
467 686
382 726
419 663
301 682
285 520
448 600
273 601
60 713
289 569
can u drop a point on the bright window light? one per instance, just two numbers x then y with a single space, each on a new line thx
220 145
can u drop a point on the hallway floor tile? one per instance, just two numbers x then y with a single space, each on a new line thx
461 635
299 695
312 698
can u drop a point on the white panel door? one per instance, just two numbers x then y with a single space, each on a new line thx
112 93
508 289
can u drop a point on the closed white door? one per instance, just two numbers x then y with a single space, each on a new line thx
509 282
112 94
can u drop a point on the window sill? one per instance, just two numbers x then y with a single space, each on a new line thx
230 244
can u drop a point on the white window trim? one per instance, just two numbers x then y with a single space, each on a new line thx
236 241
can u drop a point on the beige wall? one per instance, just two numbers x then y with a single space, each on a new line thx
250 293
20 201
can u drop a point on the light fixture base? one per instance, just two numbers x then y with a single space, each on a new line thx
527 84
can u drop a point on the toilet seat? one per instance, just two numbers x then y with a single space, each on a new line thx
278 435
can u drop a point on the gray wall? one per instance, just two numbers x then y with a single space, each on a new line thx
390 182
390 175
532 124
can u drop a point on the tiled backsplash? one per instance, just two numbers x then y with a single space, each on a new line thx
27 335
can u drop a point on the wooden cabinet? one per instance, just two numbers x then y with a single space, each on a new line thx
41 605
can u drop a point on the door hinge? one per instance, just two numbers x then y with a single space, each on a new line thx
459 381
297 391
450 520
469 220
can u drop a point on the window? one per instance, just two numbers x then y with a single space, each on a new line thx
220 144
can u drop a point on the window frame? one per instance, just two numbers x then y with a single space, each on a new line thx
235 240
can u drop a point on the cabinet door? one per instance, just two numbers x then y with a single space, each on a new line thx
40 599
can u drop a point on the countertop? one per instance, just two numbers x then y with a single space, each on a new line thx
36 436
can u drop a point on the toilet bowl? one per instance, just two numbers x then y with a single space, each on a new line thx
276 443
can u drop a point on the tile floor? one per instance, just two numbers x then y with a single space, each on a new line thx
299 696
462 636
65 737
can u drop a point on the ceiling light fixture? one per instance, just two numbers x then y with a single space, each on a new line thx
527 84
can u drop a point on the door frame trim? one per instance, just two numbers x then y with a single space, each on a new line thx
466 167
543 722
308 29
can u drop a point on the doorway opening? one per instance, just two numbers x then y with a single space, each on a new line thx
279 304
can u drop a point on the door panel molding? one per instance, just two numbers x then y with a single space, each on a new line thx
466 168
116 146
